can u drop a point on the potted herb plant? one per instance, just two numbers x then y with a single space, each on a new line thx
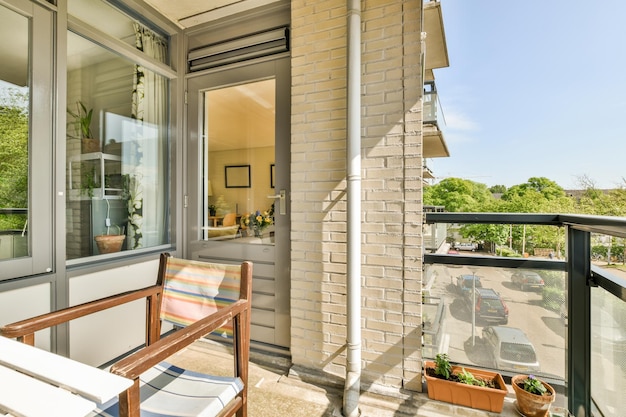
468 387
212 209
83 118
533 396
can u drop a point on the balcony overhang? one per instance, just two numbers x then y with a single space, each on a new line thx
434 144
427 173
436 48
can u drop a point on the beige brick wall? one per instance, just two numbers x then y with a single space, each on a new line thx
391 189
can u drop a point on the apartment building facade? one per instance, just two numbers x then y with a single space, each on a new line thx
233 110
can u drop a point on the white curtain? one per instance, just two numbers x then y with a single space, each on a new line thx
147 182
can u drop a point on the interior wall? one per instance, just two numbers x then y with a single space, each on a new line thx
242 200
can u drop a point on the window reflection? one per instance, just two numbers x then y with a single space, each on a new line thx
239 126
116 149
14 135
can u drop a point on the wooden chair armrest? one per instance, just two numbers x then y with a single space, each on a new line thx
137 363
25 329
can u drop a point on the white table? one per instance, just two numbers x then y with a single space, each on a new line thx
37 383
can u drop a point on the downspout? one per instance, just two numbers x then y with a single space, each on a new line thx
352 388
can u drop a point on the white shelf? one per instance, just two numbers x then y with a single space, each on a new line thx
102 192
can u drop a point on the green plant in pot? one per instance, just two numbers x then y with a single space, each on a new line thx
533 396
469 387
83 118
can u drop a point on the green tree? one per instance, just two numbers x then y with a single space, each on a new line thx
542 187
13 156
458 195
497 189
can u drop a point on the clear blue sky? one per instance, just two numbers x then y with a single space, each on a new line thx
534 89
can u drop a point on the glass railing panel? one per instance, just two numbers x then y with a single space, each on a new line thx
608 351
516 325
608 251
430 107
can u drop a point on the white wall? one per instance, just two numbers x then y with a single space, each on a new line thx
23 303
100 337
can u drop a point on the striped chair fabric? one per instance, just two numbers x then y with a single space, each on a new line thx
193 289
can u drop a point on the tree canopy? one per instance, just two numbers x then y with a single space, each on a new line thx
13 157
537 195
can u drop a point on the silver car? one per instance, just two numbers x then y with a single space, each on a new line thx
510 349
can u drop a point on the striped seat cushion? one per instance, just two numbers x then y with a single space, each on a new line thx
168 391
193 290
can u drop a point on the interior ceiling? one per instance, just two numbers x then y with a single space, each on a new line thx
241 116
189 13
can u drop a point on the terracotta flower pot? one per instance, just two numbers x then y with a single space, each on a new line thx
90 145
532 405
483 398
109 243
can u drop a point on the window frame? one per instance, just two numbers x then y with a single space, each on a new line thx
40 144
118 47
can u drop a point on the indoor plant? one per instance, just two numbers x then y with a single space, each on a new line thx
469 387
533 396
83 120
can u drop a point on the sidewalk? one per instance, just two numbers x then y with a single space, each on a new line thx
273 393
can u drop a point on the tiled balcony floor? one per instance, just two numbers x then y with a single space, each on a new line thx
273 393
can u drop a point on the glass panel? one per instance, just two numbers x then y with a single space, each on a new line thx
239 129
14 135
106 18
608 251
608 351
506 319
116 151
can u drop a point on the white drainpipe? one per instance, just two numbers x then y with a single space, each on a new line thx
352 388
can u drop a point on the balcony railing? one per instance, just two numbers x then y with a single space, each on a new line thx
14 242
569 307
431 103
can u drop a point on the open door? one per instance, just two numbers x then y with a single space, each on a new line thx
241 120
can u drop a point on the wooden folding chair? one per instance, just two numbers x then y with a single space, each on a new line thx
203 297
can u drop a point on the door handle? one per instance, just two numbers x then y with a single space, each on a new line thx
282 209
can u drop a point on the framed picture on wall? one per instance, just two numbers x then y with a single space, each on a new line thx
272 175
237 176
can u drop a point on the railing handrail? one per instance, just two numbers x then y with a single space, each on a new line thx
614 226
13 210
581 276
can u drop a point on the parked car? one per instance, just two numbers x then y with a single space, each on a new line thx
510 349
465 246
489 305
464 283
527 279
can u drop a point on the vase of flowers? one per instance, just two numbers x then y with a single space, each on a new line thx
533 396
257 221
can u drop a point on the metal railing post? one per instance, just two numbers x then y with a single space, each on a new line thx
579 327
